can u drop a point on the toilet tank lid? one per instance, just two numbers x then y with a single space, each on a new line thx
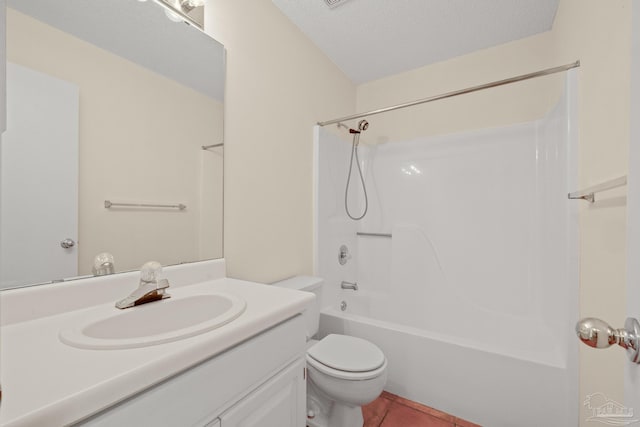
300 283
346 353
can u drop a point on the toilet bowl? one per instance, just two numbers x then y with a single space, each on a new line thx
343 372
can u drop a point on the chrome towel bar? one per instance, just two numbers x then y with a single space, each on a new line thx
206 147
588 193
109 204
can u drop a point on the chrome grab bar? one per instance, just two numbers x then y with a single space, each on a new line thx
360 233
597 333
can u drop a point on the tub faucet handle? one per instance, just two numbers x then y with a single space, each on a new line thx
597 333
344 255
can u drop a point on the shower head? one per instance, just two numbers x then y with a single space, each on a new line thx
362 126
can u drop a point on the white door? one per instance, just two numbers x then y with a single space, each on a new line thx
39 181
632 372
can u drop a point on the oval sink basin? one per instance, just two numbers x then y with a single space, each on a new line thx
157 322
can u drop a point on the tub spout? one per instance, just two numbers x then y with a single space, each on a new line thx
348 285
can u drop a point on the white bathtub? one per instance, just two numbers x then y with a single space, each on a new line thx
481 386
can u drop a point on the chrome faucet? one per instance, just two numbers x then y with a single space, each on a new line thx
151 288
103 264
348 285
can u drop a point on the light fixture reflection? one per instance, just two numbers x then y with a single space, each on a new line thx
192 4
180 10
411 170
173 16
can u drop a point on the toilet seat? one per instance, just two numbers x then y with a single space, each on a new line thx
344 375
346 357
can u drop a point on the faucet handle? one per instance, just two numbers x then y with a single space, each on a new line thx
150 272
163 284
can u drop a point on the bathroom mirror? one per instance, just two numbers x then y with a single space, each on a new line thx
110 104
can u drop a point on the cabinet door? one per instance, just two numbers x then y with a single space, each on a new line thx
280 402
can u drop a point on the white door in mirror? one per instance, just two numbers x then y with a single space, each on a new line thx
39 179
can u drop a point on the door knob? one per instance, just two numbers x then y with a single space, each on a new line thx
67 243
597 333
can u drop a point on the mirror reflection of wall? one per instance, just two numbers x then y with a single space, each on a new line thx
139 137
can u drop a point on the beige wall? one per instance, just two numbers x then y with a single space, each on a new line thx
140 139
483 109
278 85
598 33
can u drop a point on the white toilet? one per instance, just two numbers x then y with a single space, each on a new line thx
344 372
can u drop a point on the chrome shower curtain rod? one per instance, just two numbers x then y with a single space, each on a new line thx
457 92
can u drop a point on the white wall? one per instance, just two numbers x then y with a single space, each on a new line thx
130 151
598 33
278 86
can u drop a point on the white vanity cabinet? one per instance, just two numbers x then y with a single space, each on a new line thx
277 403
260 382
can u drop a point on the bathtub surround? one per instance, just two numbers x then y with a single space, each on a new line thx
463 265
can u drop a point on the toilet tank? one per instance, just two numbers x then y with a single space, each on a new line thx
308 284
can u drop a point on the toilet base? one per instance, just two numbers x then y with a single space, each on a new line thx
328 412
341 416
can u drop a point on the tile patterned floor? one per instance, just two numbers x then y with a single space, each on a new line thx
390 410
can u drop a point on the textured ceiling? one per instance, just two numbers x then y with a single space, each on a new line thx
371 39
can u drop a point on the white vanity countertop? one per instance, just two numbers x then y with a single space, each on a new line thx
46 382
